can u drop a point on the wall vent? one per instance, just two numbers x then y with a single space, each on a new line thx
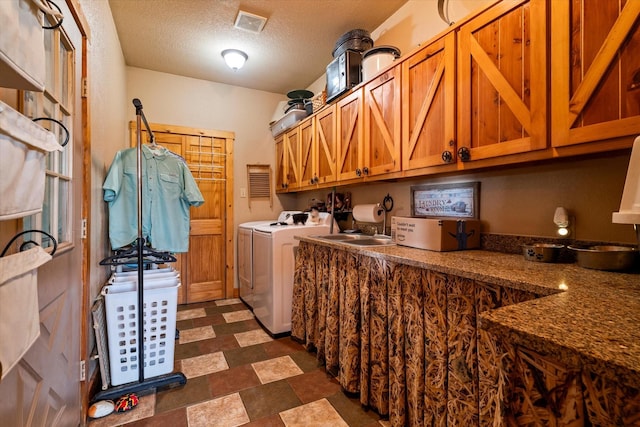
259 180
250 22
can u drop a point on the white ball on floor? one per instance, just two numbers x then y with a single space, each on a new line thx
100 409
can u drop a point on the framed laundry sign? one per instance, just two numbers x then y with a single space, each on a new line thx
458 200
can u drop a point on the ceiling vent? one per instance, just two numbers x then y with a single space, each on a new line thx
250 22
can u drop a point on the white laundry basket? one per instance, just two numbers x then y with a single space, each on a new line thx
121 309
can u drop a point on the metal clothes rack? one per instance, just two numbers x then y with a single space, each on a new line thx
174 378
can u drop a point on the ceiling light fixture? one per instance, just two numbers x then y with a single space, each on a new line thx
234 58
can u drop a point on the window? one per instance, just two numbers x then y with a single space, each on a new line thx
56 102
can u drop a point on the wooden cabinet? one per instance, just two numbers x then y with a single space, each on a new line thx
307 132
595 89
281 165
428 105
326 145
502 81
350 134
382 124
292 154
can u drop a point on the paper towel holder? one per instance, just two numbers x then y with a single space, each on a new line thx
629 212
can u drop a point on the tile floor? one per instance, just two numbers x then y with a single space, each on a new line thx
238 375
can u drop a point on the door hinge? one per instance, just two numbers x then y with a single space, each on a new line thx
83 367
85 88
83 231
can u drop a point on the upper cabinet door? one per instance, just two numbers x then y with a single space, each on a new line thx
502 81
292 153
281 165
307 153
595 66
428 105
382 113
350 136
325 143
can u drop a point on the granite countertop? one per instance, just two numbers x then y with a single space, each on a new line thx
584 318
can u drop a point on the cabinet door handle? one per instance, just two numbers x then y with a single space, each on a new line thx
358 172
464 154
365 170
447 156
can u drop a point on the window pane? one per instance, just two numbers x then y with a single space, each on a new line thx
64 74
47 209
30 105
49 110
65 155
63 206
49 57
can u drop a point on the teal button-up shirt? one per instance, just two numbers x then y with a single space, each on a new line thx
168 190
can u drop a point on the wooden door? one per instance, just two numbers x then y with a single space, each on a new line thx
596 71
292 151
350 132
281 165
325 144
382 113
502 83
44 387
307 153
428 102
206 271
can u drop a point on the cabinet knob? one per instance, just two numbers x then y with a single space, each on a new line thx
365 170
464 154
358 172
447 156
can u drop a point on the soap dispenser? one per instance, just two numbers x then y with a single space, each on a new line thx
630 205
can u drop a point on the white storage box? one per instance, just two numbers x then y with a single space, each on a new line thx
121 309
24 145
435 234
287 121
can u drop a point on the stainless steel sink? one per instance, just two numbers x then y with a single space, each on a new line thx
358 239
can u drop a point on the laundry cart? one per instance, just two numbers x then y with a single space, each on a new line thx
159 313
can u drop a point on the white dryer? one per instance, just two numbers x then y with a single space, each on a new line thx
274 248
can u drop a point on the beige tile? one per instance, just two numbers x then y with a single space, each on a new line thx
229 301
226 411
145 409
315 414
196 334
276 369
237 316
256 336
191 314
203 365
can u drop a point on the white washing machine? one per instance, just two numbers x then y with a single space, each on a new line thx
274 247
245 254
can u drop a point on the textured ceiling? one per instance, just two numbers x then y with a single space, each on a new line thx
185 37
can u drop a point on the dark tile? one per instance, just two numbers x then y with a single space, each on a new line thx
175 418
235 327
215 319
184 324
269 399
314 385
352 411
225 308
305 360
271 421
194 391
192 306
232 380
185 351
244 355
281 347
225 342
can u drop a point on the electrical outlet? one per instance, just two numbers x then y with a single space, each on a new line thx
243 192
